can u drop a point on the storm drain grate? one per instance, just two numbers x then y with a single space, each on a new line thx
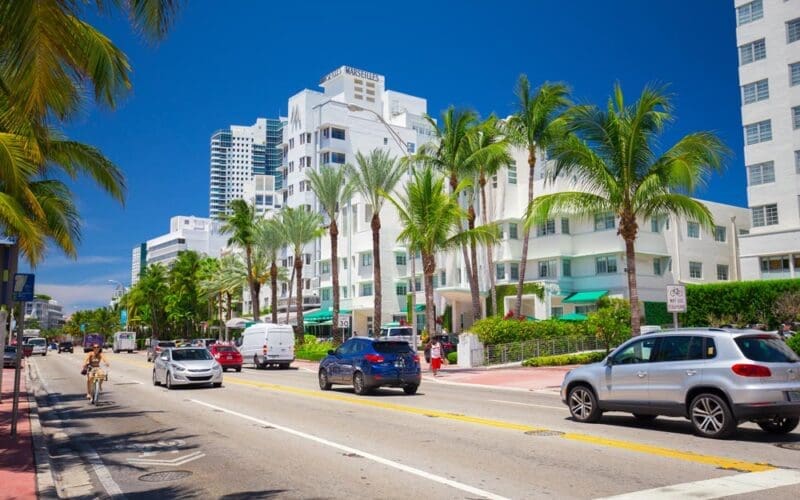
789 446
544 432
167 475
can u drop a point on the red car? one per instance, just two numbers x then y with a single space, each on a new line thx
227 356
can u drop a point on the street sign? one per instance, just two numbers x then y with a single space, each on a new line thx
123 317
83 327
344 321
676 298
23 287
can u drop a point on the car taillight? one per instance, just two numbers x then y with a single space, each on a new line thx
216 356
746 370
416 358
373 358
264 349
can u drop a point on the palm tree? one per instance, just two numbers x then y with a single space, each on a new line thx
149 295
332 189
432 220
270 240
375 176
613 154
300 227
241 225
538 124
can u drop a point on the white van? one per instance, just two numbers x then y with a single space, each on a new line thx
266 344
124 341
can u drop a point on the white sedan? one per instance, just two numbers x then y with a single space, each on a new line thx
186 366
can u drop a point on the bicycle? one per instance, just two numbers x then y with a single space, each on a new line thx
98 377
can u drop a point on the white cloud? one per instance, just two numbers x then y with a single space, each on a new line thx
89 260
85 296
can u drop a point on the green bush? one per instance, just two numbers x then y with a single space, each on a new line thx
611 323
794 342
496 330
743 302
655 313
452 358
566 359
312 350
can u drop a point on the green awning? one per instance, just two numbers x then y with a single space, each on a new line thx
323 314
573 317
583 297
418 307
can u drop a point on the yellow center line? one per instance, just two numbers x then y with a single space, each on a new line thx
686 456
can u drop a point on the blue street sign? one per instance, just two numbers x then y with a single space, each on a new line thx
23 287
83 327
123 317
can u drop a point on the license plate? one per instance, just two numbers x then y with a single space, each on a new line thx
793 395
399 363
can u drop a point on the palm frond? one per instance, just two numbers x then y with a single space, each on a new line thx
574 203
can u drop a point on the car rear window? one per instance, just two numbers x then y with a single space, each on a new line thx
190 355
391 347
766 349
10 348
225 348
166 344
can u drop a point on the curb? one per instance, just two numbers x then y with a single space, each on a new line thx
45 484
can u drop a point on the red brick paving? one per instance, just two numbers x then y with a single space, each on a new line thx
17 468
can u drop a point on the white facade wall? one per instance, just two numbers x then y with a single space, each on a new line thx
262 194
773 250
186 233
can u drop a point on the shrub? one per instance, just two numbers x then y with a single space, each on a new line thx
496 330
312 350
452 358
580 358
655 313
747 302
611 323
794 342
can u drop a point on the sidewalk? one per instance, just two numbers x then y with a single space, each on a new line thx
17 468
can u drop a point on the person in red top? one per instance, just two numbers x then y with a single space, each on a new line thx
436 355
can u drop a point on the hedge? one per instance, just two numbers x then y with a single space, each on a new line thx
312 350
506 290
742 302
452 358
581 358
794 342
497 330
655 313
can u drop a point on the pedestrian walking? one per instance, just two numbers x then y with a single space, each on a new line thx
437 354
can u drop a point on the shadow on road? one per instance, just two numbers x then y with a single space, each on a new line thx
254 495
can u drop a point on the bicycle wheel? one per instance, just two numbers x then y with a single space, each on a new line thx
96 392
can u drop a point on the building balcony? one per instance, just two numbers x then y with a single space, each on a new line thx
309 302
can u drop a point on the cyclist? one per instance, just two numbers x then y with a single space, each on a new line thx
92 362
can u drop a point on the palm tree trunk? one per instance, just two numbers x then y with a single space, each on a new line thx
256 299
289 301
250 281
298 266
428 267
273 283
474 286
523 263
633 291
221 318
334 232
229 304
489 250
470 272
376 274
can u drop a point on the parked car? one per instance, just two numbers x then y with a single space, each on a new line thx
53 346
65 347
227 356
367 363
156 346
186 366
124 341
390 332
268 344
38 345
716 378
10 356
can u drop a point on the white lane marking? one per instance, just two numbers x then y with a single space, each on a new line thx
527 404
720 487
347 449
175 461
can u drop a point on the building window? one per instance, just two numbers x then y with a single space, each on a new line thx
749 12
656 224
796 117
546 228
338 158
337 133
793 30
794 74
557 312
366 289
765 215
722 272
411 147
325 294
758 132
400 259
585 309
500 271
344 263
400 289
443 278
418 284
606 265
693 229
657 270
797 161
564 226
720 234
512 231
756 91
291 143
512 172
761 173
566 267
547 268
366 259
696 270
325 267
754 51
513 271
778 264
604 221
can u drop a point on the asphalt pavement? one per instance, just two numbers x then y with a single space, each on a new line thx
275 434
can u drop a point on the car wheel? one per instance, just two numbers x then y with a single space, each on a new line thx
284 366
711 417
779 425
169 381
583 404
155 379
358 384
644 418
255 362
217 384
238 368
410 389
324 384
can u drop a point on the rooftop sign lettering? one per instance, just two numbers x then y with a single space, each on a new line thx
360 73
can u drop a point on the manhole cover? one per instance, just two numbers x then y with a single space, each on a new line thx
544 433
789 446
167 475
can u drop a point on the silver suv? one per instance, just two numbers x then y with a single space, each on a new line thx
717 378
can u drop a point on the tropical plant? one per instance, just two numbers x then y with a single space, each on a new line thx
613 155
374 176
538 125
611 323
431 220
332 188
787 307
103 320
300 227
241 225
269 240
149 296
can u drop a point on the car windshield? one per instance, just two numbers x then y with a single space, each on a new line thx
391 347
767 349
225 348
400 332
190 355
36 341
66 343
10 348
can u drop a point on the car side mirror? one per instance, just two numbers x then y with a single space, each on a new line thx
331 352
164 358
609 361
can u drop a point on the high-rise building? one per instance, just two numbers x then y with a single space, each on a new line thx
237 154
138 261
49 313
185 233
768 39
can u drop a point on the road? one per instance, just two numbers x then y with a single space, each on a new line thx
274 434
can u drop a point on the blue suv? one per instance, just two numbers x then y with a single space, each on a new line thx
366 364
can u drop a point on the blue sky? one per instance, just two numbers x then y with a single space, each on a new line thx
231 62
